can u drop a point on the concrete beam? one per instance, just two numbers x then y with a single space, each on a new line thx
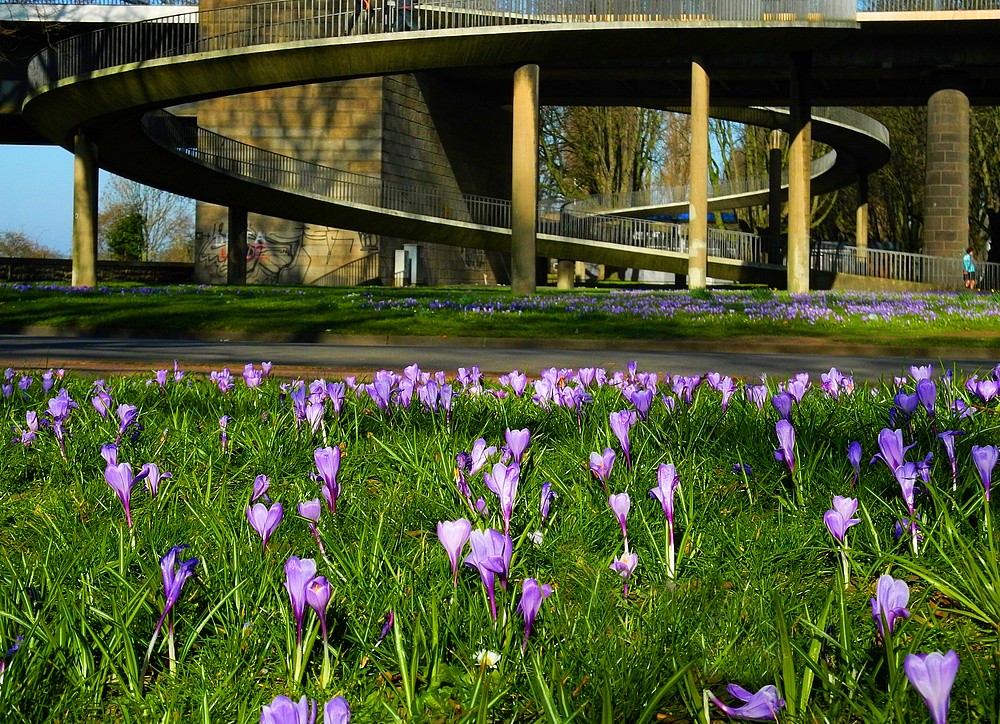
698 178
524 172
799 160
85 194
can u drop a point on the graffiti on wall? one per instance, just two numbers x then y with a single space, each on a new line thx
270 255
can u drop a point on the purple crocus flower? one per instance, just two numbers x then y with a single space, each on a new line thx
101 402
318 598
891 597
453 535
223 438
298 573
503 482
260 486
153 477
985 459
891 449
927 395
517 442
667 483
390 620
532 595
548 495
625 567
30 432
481 507
642 399
174 576
337 711
838 519
109 451
763 705
122 481
311 510
906 476
285 711
620 505
948 440
600 466
480 455
490 553
782 403
933 675
265 520
786 444
621 422
127 416
757 394
328 464
314 416
854 458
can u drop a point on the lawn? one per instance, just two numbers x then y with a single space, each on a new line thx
387 541
902 320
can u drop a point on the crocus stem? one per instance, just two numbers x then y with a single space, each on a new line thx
914 542
319 543
845 567
671 552
327 673
171 652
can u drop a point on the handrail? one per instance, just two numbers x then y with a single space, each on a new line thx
352 273
936 271
277 21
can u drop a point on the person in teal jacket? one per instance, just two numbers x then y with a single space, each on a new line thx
969 268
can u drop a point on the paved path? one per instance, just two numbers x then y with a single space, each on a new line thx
292 359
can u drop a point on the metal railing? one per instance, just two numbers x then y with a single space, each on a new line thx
99 2
353 273
282 21
910 6
939 272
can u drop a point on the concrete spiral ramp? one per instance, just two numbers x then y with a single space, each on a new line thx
111 85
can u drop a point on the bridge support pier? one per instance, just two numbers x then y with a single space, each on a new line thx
946 190
799 164
524 172
236 247
773 194
85 192
698 178
861 221
567 274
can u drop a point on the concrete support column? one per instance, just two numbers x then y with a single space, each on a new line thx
946 190
774 192
799 162
524 171
236 251
861 221
85 192
698 178
567 274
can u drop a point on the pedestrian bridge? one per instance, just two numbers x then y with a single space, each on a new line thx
111 86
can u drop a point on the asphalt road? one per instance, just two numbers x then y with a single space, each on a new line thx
105 356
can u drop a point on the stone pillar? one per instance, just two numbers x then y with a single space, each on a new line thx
236 251
774 194
946 191
698 178
861 221
799 163
85 192
524 193
567 274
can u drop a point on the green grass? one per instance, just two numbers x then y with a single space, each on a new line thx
304 314
756 601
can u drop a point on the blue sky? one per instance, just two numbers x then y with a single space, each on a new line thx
36 189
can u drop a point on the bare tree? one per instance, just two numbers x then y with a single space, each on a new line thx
19 244
169 219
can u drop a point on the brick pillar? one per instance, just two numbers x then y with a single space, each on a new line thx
946 190
85 191
698 178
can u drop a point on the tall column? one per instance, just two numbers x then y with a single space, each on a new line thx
236 250
698 178
85 191
567 274
524 171
774 193
799 162
861 221
946 190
